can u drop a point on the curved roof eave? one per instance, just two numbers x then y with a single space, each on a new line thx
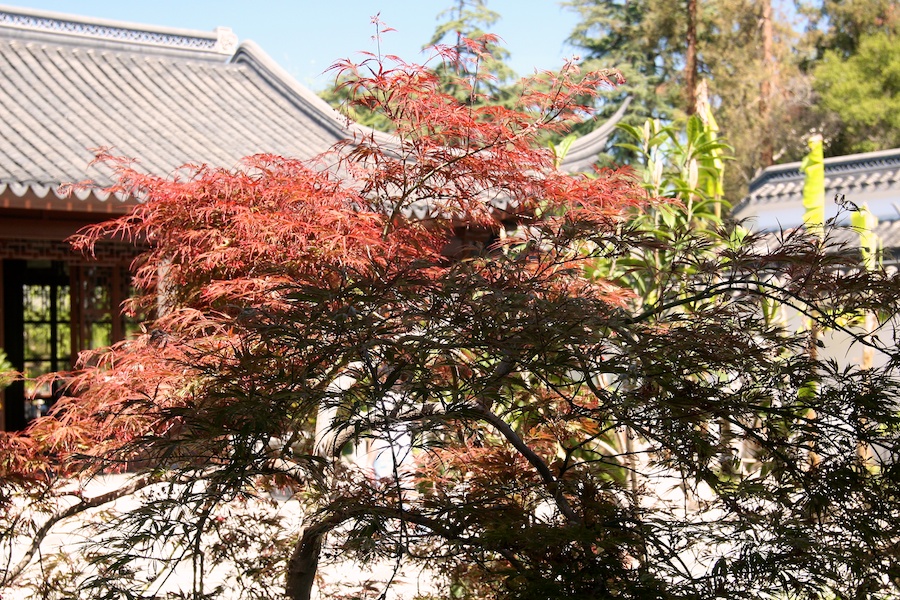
581 156
583 152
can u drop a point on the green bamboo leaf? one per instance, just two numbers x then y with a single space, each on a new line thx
631 147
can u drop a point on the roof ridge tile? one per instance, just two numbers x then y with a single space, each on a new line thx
39 25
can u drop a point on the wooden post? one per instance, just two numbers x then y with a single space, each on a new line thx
2 333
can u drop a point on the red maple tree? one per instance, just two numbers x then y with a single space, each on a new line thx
437 296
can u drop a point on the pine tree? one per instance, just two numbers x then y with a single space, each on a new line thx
839 25
469 58
645 41
743 51
480 58
849 50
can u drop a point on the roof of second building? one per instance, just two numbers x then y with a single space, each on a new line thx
776 195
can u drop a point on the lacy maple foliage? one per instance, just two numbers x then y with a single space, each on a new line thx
282 260
526 402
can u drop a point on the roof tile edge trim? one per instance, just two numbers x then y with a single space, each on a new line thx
833 165
41 190
221 41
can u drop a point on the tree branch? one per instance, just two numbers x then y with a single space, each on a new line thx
304 562
73 510
536 461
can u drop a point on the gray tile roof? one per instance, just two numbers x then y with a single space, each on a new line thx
164 96
873 178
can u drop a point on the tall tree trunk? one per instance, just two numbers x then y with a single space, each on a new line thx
765 91
301 573
690 68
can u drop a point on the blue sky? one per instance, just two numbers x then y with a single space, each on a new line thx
305 37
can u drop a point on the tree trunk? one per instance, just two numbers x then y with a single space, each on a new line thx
301 574
690 67
765 90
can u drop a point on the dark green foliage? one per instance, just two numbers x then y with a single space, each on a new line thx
841 25
644 39
864 91
480 68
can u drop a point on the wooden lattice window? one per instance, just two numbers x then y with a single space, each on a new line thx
52 311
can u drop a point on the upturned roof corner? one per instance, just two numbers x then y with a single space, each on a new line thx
584 151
